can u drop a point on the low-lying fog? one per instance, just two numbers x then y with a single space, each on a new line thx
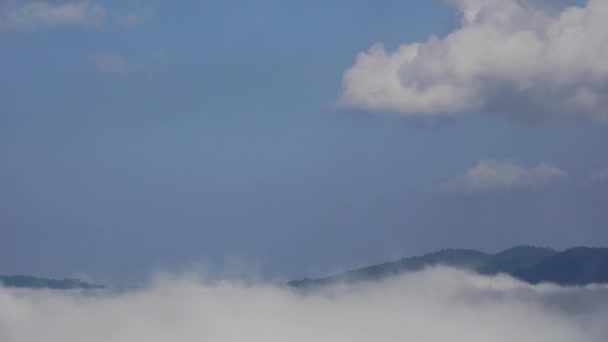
434 305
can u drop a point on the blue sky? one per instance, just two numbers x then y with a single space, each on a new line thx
139 137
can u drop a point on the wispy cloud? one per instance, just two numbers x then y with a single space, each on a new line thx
599 176
115 63
434 305
523 59
27 15
141 15
495 175
109 62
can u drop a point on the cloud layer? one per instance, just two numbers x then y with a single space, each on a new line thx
26 15
518 58
434 305
495 175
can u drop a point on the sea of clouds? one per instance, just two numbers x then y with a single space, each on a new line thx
437 304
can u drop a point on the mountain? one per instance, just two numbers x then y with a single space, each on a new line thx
575 266
42 283
516 258
461 258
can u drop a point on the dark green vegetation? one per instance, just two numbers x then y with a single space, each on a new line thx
41 283
575 266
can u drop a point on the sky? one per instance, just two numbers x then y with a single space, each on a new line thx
284 139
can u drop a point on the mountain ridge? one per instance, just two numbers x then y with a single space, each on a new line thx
573 266
31 282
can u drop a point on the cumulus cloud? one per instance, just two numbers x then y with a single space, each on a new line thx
32 15
109 62
495 175
434 305
519 58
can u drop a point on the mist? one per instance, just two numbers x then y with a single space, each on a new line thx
438 304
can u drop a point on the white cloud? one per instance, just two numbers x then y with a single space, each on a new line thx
599 176
27 15
493 175
434 305
520 58
109 62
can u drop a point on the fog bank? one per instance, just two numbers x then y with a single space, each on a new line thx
437 304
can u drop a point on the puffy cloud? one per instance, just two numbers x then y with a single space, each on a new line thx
493 175
434 305
109 62
519 58
25 15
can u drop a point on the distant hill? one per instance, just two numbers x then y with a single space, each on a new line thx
22 281
575 266
516 258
